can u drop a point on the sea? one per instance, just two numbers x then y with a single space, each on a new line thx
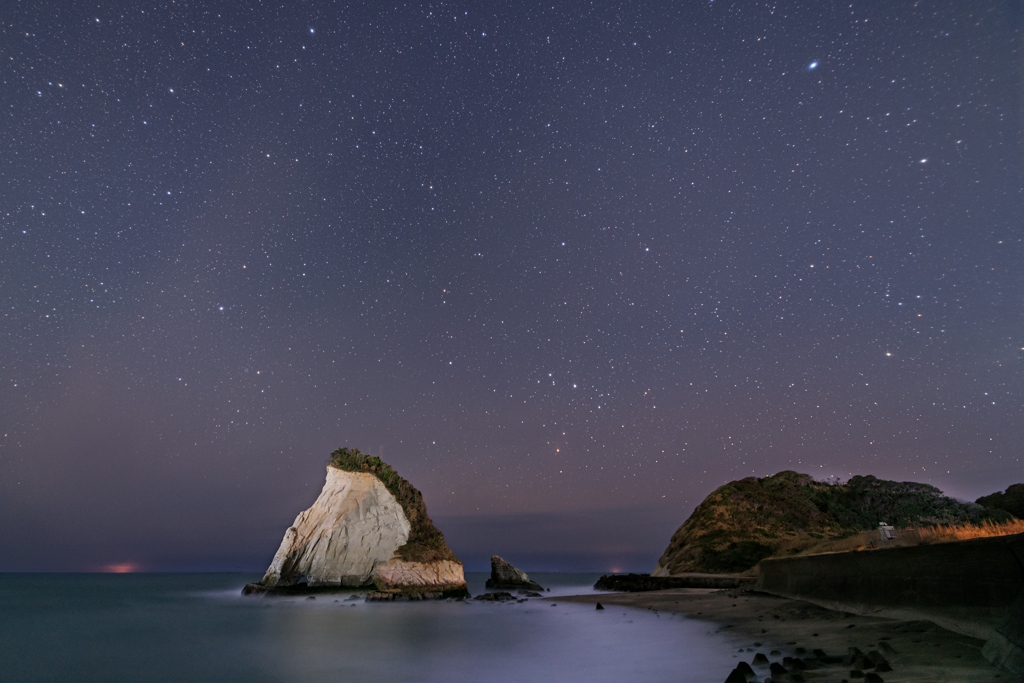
198 627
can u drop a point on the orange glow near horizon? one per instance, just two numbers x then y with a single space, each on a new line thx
122 568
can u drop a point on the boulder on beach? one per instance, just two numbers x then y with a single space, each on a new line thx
505 575
368 528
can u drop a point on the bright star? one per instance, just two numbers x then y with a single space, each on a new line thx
812 66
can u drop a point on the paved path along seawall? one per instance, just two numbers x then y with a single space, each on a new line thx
974 587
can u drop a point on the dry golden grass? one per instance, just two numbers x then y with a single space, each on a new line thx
942 533
872 540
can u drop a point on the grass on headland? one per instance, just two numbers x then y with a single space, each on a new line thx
426 542
911 536
943 533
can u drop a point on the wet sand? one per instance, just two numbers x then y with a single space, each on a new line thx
917 651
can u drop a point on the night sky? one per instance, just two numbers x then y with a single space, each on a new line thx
568 266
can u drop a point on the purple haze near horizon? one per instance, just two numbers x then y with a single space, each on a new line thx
568 268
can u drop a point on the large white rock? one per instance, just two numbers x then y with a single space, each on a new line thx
353 526
349 537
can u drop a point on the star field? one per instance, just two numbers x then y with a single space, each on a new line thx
568 267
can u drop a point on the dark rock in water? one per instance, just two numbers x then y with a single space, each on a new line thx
600 606
760 659
794 663
880 662
862 662
380 596
856 673
873 678
530 594
638 583
504 575
745 669
735 676
254 589
500 596
777 669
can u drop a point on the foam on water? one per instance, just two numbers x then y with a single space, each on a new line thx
198 628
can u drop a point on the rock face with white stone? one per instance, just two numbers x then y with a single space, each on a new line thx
398 574
354 525
357 533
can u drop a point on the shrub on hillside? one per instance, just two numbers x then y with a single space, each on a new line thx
426 542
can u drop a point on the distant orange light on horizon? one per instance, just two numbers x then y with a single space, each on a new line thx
123 568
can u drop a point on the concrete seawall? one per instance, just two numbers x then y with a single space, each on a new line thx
974 587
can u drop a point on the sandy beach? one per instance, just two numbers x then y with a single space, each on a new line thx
917 651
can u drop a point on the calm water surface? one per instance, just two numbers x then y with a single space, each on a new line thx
197 627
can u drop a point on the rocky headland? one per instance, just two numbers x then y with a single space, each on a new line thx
368 529
745 521
947 572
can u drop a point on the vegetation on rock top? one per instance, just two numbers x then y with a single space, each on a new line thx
426 542
1012 500
747 520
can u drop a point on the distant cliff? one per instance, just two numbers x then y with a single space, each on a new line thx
747 520
368 527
